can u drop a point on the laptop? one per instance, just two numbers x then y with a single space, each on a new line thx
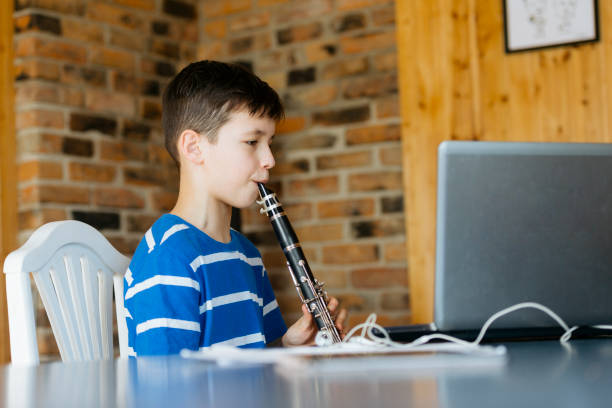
521 222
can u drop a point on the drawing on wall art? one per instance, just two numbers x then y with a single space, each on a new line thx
535 24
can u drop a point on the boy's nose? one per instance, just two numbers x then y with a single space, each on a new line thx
268 158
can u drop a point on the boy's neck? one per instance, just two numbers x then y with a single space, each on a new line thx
208 214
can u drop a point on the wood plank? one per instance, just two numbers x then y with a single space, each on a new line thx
8 173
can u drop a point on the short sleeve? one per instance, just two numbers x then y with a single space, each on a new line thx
163 303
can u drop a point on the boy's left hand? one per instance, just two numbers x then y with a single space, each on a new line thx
303 332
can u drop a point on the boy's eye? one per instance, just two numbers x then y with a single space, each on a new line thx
251 142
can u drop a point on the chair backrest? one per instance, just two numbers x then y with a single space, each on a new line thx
75 269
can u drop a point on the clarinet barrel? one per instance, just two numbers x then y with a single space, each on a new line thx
309 289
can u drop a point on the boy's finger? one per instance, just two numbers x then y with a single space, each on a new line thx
340 319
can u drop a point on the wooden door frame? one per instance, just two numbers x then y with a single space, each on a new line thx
8 172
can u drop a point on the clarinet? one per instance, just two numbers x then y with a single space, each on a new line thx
309 289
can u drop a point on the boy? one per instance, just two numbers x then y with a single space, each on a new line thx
193 281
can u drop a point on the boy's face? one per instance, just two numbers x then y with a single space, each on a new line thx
239 159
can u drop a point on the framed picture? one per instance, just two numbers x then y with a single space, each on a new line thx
536 24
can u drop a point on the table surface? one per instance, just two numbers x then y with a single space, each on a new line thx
534 374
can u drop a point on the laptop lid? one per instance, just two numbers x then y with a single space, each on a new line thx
521 222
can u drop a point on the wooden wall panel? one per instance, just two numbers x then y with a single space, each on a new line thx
8 173
457 83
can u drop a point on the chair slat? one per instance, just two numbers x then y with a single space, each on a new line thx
77 296
66 307
91 291
106 312
51 303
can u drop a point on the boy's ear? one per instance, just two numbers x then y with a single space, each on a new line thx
189 146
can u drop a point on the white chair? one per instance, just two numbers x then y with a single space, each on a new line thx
74 268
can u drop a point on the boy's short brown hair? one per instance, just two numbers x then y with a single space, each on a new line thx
203 95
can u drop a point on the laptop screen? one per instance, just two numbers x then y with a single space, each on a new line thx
521 222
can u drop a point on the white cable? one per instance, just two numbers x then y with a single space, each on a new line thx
368 336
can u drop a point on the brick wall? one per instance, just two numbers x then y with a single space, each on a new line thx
89 74
338 154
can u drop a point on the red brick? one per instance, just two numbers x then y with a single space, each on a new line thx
298 211
345 68
391 156
92 172
122 151
216 29
350 253
319 185
212 49
344 160
299 33
127 39
216 8
387 107
354 302
108 13
39 143
163 200
320 51
39 170
368 42
50 48
386 62
72 97
300 11
373 134
383 16
140 222
379 277
37 69
346 208
384 180
139 4
395 301
369 87
112 58
32 219
98 100
256 42
36 92
124 245
395 252
82 30
384 319
249 21
39 118
358 4
332 278
291 124
263 3
54 194
284 168
63 6
118 197
274 258
322 232
314 95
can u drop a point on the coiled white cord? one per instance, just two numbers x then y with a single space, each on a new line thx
368 337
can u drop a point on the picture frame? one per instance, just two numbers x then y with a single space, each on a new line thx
538 24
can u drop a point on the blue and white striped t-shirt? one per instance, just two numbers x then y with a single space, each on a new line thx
184 289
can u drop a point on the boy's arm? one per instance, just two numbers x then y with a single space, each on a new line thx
164 307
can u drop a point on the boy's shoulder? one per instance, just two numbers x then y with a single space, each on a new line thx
168 236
